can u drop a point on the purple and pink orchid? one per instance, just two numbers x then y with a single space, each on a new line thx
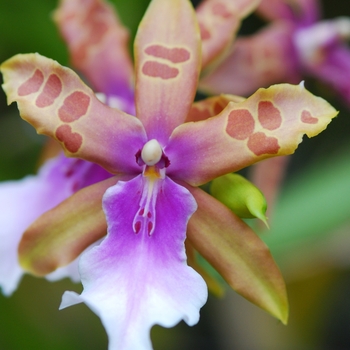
297 43
147 199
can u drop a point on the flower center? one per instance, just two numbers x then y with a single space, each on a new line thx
145 218
154 161
151 152
153 157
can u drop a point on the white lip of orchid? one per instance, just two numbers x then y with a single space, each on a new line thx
151 152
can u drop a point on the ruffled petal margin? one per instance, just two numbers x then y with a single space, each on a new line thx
134 281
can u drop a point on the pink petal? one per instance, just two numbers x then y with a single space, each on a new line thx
135 280
270 123
255 61
300 11
238 254
58 104
219 21
98 44
324 54
167 55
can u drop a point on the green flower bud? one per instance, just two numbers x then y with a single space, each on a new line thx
240 195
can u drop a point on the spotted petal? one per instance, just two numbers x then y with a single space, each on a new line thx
219 21
97 43
58 104
255 61
270 123
238 254
167 55
135 280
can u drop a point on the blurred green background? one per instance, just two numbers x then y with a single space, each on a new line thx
309 236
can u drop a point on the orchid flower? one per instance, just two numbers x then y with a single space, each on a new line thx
97 43
138 276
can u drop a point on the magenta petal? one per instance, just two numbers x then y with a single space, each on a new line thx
334 70
135 280
303 12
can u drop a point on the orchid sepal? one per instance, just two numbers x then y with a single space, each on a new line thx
98 45
167 61
238 254
269 123
61 234
219 21
57 103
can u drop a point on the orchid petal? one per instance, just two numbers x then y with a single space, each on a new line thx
58 104
335 71
210 107
238 254
97 43
23 201
219 21
135 280
255 61
167 55
270 123
301 11
324 55
71 270
58 236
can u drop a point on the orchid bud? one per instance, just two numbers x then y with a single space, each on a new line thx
240 195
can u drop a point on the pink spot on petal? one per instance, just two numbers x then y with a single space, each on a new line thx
260 144
72 141
51 91
74 106
175 55
269 116
205 33
32 85
240 124
159 70
137 227
149 214
149 228
141 211
307 118
221 10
